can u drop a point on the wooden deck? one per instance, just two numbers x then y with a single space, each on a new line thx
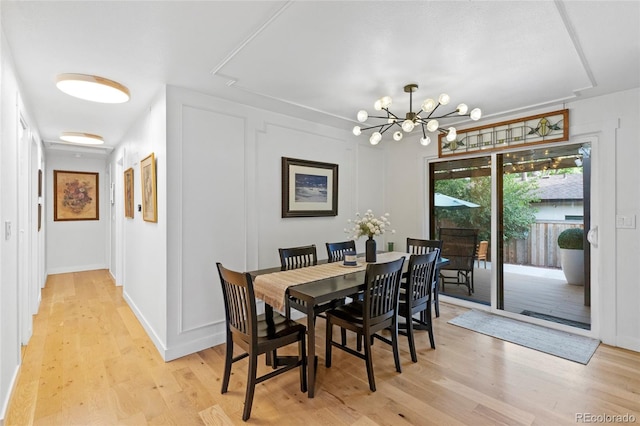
539 290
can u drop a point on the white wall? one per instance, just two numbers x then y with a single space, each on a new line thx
77 245
17 304
9 336
219 199
612 123
144 244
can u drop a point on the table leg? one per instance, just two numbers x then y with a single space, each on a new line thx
311 352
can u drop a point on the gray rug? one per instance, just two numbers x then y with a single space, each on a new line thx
559 343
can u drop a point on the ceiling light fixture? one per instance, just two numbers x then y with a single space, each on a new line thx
81 138
93 88
428 120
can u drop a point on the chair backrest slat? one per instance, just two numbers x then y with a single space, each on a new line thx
421 275
381 295
239 301
298 257
335 251
418 246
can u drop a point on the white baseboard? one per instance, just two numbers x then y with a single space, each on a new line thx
78 268
157 341
7 397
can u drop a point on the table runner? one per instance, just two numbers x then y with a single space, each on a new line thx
272 287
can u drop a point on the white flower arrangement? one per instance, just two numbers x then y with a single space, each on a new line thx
369 225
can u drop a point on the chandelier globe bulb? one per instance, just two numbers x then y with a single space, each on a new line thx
432 125
408 125
444 99
462 109
397 136
452 134
386 101
357 131
375 138
425 141
362 116
428 105
476 113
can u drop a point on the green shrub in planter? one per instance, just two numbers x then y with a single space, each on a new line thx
572 238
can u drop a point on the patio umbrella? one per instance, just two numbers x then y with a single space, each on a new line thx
446 202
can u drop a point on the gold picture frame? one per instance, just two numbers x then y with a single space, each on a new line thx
75 196
128 193
149 197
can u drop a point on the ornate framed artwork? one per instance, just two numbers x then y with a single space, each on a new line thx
149 197
309 188
128 193
75 196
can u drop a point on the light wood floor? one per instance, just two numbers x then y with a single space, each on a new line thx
90 362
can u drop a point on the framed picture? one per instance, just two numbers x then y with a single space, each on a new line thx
75 196
309 188
149 199
128 193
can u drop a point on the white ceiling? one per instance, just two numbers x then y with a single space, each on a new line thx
319 60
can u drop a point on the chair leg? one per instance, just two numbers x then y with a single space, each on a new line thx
369 361
343 334
251 386
436 300
412 343
359 342
394 344
328 343
430 331
228 360
302 349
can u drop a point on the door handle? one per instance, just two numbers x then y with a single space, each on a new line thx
592 236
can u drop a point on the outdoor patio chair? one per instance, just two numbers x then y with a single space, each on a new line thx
459 246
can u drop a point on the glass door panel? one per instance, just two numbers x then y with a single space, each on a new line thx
543 192
461 218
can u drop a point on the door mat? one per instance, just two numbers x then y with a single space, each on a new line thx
554 342
558 320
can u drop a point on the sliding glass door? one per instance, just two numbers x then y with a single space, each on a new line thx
538 194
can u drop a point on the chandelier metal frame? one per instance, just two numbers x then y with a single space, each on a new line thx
412 119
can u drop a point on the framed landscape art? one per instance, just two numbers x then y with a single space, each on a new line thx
75 196
128 193
309 188
149 197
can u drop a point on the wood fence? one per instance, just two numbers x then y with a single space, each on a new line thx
540 248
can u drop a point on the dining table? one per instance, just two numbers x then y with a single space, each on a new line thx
313 286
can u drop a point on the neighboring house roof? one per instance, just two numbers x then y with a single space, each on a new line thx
560 187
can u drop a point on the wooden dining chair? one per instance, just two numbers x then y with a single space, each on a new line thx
417 297
335 251
419 246
256 334
366 319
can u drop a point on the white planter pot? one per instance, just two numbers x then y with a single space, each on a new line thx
572 262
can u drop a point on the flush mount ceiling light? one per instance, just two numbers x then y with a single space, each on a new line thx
93 88
81 138
426 118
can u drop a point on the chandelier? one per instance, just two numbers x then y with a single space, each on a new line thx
426 118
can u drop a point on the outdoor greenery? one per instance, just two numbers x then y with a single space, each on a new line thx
572 238
518 213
